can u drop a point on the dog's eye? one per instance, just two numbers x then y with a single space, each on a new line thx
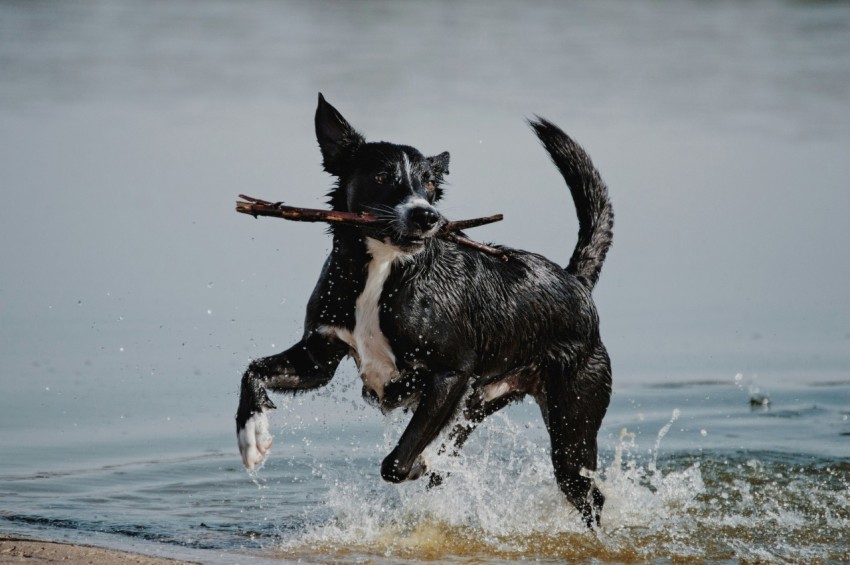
428 182
381 178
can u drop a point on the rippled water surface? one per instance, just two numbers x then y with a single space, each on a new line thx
693 470
132 297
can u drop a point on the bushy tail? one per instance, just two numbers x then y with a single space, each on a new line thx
595 215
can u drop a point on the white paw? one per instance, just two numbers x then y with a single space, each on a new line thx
255 441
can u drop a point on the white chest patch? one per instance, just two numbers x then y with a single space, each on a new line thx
375 358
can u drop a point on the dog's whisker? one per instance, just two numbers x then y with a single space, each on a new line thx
384 213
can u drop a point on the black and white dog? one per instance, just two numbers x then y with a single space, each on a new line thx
445 330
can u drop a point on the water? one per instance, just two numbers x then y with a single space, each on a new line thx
132 297
689 470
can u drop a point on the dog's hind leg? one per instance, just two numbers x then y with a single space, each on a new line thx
438 402
486 397
475 411
463 429
309 364
491 395
576 401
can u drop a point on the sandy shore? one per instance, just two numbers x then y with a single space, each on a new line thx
14 549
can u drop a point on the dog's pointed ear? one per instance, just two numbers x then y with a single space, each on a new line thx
337 139
440 163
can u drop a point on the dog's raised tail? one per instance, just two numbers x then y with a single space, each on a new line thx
595 214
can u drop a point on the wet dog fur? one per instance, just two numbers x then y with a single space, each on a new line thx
449 332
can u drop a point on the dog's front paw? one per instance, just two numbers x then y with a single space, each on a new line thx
254 439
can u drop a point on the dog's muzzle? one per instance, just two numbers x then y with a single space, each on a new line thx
418 221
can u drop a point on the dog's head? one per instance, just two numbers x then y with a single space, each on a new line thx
396 183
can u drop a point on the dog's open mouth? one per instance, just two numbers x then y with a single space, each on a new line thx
403 241
408 242
411 240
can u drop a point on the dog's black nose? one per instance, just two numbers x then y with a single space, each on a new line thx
424 218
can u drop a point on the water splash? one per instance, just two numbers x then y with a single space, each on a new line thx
499 499
499 503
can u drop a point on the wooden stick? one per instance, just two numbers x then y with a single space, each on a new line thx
466 242
460 225
257 207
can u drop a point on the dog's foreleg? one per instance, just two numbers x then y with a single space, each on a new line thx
309 364
440 397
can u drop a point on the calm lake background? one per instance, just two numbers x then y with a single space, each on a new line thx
132 296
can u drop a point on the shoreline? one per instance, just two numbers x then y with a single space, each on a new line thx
24 549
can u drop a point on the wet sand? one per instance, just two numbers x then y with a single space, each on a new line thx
15 549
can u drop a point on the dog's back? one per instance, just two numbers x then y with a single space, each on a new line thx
479 314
